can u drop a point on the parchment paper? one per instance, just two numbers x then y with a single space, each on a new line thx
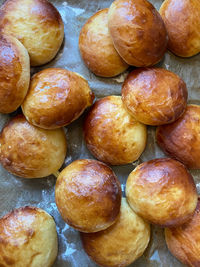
16 192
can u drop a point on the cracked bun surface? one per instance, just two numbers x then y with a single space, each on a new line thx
97 48
162 191
184 241
30 152
154 96
14 73
56 97
111 134
138 32
181 139
88 195
28 237
38 26
182 21
120 244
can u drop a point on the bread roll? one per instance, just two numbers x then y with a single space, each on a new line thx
97 49
30 152
181 139
184 241
138 32
88 195
28 238
37 24
111 134
182 21
14 73
162 191
154 96
56 98
120 244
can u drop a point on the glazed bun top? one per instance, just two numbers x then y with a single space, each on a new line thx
56 97
181 139
97 49
14 73
30 152
154 96
120 244
38 25
182 21
184 241
28 238
111 134
88 195
138 32
162 191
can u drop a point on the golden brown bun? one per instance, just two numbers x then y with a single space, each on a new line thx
88 195
184 241
28 238
14 73
120 244
31 152
97 48
111 134
181 139
56 98
38 25
182 21
154 96
138 32
162 191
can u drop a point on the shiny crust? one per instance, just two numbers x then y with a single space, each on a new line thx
111 134
97 48
14 73
56 98
184 241
28 238
38 26
30 152
181 139
182 21
162 191
120 244
88 195
138 32
154 96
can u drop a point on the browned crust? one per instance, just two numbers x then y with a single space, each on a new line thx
56 98
122 243
30 152
184 241
14 73
181 139
21 233
88 195
111 134
138 32
182 21
97 49
154 96
162 191
39 27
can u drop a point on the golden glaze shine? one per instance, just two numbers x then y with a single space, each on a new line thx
56 98
88 195
138 32
154 96
162 191
111 134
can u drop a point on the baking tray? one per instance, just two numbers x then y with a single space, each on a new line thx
16 192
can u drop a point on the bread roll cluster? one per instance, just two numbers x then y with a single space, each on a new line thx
115 231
